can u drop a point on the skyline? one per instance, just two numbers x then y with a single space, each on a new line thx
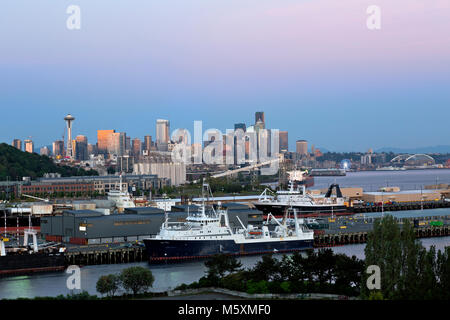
344 89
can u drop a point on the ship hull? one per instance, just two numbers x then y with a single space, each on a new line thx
303 211
173 250
18 264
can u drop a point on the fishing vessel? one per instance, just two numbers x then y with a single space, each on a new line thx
208 232
306 205
16 259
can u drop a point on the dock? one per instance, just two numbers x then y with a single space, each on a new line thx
401 206
354 229
96 255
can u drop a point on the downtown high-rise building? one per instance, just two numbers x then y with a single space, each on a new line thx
240 126
259 117
104 141
58 149
81 148
92 149
44 151
128 145
162 134
302 147
136 149
28 145
17 143
147 143
118 144
284 141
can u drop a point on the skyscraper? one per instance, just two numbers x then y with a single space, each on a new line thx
81 148
284 142
58 148
302 147
147 143
240 126
44 151
29 145
104 141
118 143
17 143
259 117
137 147
162 134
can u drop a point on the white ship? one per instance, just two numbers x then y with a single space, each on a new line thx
306 205
207 233
121 199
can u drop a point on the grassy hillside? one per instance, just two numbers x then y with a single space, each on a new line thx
17 164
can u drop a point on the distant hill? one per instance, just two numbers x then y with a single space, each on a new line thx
432 149
16 164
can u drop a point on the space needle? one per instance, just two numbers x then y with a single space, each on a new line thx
69 152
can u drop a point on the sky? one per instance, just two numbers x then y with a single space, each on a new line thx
312 66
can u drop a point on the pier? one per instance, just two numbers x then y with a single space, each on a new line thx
401 206
85 256
354 230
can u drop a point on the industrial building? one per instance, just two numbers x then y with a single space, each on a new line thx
94 227
402 196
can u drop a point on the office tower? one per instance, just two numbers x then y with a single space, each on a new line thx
92 149
147 143
136 147
17 143
118 143
104 141
240 126
69 119
29 145
162 134
44 151
58 149
259 117
128 145
81 148
302 147
284 142
125 164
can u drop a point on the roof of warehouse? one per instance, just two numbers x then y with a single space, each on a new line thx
133 216
235 206
410 213
143 210
185 207
84 213
379 193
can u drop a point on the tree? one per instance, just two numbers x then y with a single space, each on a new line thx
384 249
267 269
136 279
443 272
219 265
108 284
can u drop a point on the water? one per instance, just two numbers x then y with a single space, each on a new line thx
373 180
171 275
166 276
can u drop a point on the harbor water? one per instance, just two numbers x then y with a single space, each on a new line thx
167 276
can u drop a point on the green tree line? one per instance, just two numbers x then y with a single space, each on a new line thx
17 164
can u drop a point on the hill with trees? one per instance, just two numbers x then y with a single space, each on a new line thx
17 164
